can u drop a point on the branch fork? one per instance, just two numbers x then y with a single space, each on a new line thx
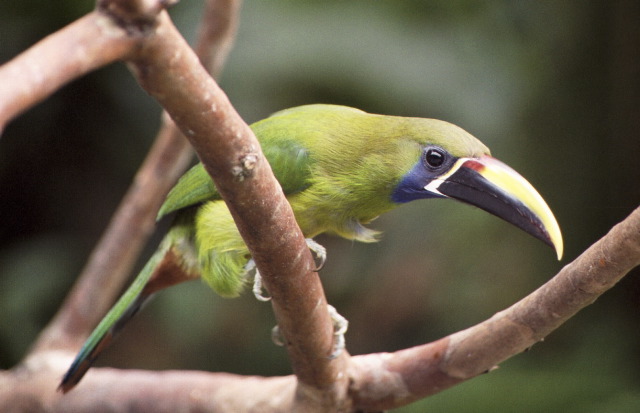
141 34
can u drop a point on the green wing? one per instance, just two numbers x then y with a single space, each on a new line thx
194 187
289 161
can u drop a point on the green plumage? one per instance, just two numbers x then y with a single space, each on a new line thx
338 167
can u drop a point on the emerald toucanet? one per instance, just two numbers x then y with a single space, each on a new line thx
340 168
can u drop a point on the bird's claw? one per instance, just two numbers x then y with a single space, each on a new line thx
319 250
340 326
257 288
257 281
276 336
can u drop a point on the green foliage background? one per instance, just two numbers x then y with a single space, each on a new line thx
551 87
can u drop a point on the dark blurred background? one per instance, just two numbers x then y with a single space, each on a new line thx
552 87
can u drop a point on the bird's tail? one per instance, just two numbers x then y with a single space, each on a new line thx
176 250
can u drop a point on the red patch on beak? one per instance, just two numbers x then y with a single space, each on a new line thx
475 165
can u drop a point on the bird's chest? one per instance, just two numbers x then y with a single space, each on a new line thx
343 217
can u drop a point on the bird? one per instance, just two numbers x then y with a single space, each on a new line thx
340 168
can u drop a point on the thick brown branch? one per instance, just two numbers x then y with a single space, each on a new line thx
169 71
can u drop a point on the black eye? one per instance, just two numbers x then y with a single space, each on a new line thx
434 157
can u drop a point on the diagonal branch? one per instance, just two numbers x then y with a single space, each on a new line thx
170 72
386 381
85 45
115 254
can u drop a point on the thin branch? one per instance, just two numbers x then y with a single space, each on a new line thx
114 256
216 34
112 259
83 46
382 382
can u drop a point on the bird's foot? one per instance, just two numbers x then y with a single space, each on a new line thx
257 281
340 326
318 250
276 336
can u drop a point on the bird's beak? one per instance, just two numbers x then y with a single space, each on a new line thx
494 187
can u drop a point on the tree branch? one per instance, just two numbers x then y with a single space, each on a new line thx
418 372
217 33
85 45
114 256
378 381
169 70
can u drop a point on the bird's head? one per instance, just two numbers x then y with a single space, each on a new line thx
454 164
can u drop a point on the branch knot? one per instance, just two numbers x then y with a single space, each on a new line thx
245 167
135 17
